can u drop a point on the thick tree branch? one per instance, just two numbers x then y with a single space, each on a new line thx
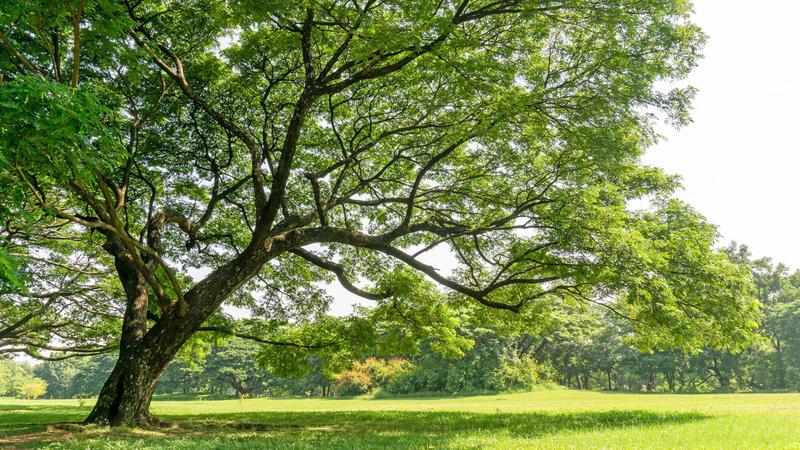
338 270
261 340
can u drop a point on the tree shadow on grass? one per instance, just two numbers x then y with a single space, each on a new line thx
19 419
695 393
352 429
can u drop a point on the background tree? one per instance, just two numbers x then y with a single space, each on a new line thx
18 380
276 145
33 388
233 365
784 318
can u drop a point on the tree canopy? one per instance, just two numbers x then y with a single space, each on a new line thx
161 159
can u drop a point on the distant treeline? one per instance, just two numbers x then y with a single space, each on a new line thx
587 349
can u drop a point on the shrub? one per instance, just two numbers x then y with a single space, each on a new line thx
372 373
33 388
353 382
518 374
404 383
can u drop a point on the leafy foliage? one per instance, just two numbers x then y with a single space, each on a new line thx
200 153
17 380
370 374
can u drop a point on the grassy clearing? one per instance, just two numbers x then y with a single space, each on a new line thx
547 419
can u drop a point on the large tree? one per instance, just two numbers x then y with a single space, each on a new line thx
270 145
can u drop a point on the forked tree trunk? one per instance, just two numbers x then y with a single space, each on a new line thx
145 353
126 395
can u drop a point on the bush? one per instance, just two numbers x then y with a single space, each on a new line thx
33 388
404 383
547 373
372 373
493 364
353 382
520 374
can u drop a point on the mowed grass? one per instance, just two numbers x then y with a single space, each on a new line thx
545 419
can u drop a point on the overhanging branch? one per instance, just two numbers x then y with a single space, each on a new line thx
338 270
261 340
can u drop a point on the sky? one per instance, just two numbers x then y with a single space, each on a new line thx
740 158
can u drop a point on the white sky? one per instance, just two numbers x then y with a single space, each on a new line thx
740 159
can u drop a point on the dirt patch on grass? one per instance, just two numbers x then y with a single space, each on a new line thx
20 441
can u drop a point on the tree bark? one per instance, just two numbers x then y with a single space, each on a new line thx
651 382
134 322
241 388
143 357
125 396
670 377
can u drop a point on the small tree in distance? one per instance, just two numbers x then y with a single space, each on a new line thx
33 388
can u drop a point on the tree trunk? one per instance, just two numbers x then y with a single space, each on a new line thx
126 394
238 386
780 366
125 397
651 382
143 356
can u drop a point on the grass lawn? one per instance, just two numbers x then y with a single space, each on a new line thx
545 419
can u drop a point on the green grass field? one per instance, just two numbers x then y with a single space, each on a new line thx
545 419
